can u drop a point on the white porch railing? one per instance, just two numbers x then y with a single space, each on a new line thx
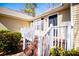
58 35
54 36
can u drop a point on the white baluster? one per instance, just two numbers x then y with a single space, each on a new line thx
61 36
58 37
61 43
58 42
65 37
55 36
52 37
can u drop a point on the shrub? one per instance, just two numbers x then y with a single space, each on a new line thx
67 53
74 52
62 52
9 41
57 52
54 52
4 31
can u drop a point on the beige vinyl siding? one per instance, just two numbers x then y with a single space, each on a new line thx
75 19
63 17
14 24
2 27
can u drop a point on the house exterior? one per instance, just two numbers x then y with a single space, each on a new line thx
63 19
60 19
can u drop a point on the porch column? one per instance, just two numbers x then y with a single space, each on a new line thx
40 46
51 36
22 33
69 36
38 33
23 43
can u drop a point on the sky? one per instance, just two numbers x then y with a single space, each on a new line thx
41 7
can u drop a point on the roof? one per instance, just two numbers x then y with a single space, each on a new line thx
53 10
13 13
24 16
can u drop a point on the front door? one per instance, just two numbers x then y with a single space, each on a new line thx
53 21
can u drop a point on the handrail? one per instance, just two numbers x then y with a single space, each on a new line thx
46 31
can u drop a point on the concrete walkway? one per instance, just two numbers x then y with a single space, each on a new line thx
19 54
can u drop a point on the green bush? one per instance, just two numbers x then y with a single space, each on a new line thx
9 41
67 53
54 52
62 52
74 52
4 31
57 52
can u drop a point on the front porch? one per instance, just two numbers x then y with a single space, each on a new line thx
54 36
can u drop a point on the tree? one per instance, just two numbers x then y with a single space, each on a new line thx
30 8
